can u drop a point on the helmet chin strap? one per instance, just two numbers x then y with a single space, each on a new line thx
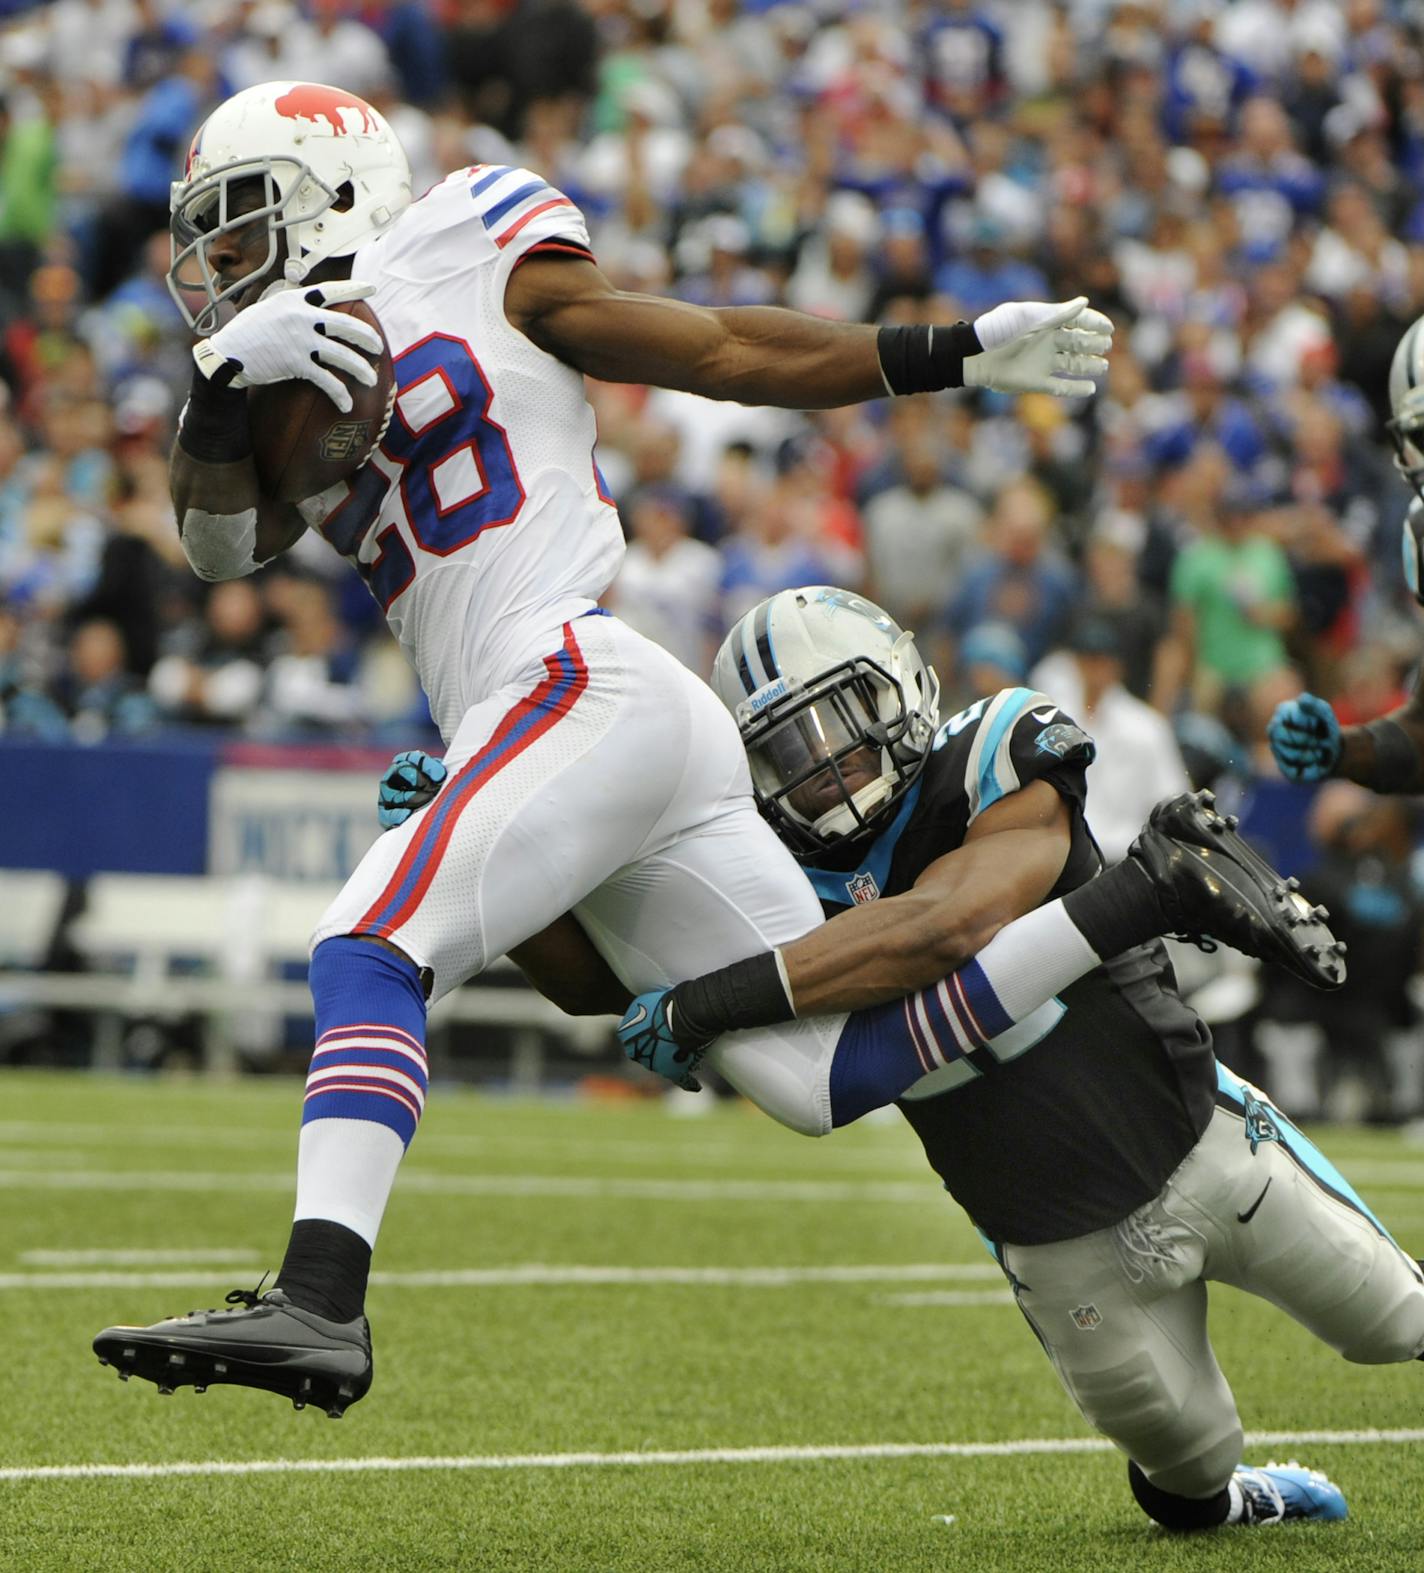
841 820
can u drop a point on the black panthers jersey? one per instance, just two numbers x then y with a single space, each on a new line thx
1078 1114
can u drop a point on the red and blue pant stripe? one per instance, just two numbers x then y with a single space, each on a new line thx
566 677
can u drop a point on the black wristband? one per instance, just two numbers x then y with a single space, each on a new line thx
215 428
749 993
1396 761
925 359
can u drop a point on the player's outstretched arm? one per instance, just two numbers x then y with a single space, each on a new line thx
767 355
1386 755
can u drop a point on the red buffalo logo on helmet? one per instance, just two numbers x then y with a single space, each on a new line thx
308 101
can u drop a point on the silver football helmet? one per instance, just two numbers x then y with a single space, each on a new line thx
1406 399
836 708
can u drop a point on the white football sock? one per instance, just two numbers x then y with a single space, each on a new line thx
345 1171
1031 959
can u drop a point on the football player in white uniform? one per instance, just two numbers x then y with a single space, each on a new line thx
1386 755
588 769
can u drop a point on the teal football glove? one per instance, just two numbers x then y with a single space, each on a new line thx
411 780
650 1039
1305 738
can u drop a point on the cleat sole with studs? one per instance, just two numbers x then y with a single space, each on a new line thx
170 1369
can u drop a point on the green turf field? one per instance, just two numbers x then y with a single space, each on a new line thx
492 1354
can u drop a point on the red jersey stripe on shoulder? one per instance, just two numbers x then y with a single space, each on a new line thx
557 202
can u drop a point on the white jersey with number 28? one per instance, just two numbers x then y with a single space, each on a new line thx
480 524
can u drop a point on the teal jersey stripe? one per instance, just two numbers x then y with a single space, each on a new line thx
833 884
1303 1150
991 789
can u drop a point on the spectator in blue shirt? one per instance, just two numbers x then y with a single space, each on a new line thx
985 277
1270 182
151 158
1019 579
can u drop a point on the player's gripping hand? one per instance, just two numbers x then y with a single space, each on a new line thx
650 1038
1305 738
410 781
1031 346
290 334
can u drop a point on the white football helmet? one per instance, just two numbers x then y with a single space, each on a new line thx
333 176
1406 399
836 708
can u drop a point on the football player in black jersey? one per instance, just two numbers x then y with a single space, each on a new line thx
1110 1162
1386 755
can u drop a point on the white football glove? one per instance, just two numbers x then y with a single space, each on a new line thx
1031 346
289 334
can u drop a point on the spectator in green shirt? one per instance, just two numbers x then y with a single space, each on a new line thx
1233 600
27 192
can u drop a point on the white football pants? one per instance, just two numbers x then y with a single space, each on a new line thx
607 780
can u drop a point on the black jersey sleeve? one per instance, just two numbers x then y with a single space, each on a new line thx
1023 736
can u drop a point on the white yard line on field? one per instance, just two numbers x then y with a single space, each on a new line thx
950 1297
540 1275
134 1258
672 1188
713 1455
34 1134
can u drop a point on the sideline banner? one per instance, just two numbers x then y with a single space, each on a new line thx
186 803
290 823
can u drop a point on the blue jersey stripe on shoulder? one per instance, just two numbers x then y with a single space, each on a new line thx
486 181
493 215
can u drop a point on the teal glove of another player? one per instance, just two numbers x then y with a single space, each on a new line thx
649 1039
411 780
1305 738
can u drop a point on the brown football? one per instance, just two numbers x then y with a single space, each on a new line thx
301 442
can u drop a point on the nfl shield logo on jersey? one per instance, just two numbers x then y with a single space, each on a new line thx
863 888
1087 1318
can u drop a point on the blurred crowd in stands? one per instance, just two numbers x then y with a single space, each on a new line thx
1238 186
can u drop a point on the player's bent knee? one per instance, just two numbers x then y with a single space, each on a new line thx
1205 1471
346 959
368 939
1187 1447
1399 1337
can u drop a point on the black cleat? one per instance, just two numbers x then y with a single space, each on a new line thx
1211 883
266 1342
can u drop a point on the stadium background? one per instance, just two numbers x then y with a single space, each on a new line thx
187 770
1237 186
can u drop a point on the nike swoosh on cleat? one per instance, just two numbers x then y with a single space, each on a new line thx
1045 716
1250 1212
639 1019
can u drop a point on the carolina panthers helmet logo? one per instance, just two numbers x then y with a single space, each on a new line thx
848 600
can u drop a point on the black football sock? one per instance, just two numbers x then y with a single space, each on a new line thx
1174 1512
1117 910
325 1269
